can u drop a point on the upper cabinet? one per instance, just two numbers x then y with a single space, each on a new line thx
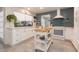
23 17
23 20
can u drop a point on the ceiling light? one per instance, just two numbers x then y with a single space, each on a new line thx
41 7
28 9
23 11
27 12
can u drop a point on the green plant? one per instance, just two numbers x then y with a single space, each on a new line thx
11 18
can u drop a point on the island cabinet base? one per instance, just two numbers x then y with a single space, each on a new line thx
16 35
42 46
42 41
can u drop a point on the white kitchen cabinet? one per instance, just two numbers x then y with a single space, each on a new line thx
1 34
18 35
23 17
1 25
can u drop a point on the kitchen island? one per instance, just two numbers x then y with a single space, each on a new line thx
42 39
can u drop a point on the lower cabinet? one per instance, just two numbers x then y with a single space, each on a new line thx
18 35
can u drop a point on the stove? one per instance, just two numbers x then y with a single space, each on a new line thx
58 33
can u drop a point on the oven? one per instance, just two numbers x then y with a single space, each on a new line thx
58 33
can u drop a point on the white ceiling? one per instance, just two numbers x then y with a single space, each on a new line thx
36 10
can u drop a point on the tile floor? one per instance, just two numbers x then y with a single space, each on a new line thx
27 46
62 46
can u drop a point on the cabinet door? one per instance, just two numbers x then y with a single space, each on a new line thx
23 35
1 25
16 37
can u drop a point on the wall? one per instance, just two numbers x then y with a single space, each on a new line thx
68 14
52 14
69 17
7 11
69 33
75 41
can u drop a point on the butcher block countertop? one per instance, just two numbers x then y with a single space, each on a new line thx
42 29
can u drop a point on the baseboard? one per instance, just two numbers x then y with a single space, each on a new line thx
75 44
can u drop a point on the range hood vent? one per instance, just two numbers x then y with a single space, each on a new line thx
58 14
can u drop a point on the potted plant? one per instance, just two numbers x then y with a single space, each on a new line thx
11 19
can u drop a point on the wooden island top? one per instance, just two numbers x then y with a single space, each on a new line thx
42 29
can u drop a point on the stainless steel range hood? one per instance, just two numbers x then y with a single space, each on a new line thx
58 14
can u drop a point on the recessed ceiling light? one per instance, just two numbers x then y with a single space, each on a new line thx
27 12
41 7
28 9
23 10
